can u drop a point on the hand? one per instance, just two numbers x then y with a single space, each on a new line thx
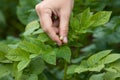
54 18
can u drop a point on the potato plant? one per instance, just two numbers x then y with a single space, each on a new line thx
36 57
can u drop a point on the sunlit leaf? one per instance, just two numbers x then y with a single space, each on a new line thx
92 60
17 55
23 64
101 18
31 27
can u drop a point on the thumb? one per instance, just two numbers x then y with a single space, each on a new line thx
64 23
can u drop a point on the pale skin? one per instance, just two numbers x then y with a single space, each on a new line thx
57 28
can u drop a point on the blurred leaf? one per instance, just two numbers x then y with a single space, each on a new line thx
2 19
42 77
5 70
4 48
27 13
2 55
108 35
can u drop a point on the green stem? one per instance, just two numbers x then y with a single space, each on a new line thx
65 71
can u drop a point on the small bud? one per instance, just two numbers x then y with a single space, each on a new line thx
61 38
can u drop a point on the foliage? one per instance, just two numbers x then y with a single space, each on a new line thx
35 56
9 23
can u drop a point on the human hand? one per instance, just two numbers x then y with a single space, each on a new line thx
56 28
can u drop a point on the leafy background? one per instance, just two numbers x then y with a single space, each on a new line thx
97 56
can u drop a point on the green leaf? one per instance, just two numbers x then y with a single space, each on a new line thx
110 58
38 31
2 19
33 55
96 68
8 77
97 76
37 65
85 21
85 17
71 69
17 74
50 57
23 64
43 37
27 13
30 47
5 70
17 54
92 63
4 48
31 27
83 67
33 77
97 62
34 41
74 24
100 18
92 60
43 77
111 76
64 52
81 22
115 65
110 70
5 60
2 55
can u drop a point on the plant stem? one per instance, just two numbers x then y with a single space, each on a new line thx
65 71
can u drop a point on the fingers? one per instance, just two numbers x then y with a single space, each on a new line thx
64 22
46 23
47 26
44 12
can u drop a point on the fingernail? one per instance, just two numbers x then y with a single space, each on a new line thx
65 40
